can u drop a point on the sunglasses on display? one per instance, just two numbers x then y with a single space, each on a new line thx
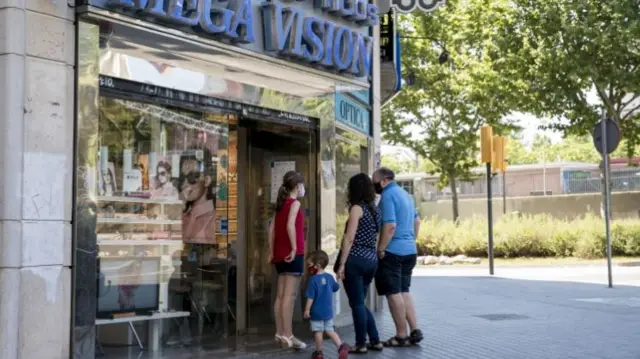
191 177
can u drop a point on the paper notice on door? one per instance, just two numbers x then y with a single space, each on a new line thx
278 170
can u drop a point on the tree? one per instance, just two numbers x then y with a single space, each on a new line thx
403 165
456 90
556 53
570 149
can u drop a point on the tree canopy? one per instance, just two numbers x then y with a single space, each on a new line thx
456 89
564 58
570 149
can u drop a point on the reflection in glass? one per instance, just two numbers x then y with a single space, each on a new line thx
164 187
350 159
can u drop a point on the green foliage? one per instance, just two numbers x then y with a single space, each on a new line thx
439 117
557 53
570 149
403 165
529 236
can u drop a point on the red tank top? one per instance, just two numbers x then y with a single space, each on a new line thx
281 244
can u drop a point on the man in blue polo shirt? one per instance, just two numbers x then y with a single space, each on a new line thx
397 253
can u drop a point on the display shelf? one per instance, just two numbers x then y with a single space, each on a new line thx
138 200
138 221
142 318
139 242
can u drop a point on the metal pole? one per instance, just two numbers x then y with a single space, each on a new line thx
490 218
504 192
607 195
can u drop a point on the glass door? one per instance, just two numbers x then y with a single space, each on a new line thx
272 151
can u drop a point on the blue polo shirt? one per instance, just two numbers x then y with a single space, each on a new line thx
397 207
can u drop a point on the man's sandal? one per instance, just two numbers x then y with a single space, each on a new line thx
397 342
378 347
416 336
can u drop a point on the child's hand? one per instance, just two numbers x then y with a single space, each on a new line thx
307 315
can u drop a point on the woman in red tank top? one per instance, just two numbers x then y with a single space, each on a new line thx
286 252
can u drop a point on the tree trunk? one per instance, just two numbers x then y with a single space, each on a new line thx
454 197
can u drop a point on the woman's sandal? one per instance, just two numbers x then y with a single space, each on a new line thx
378 347
397 342
358 349
285 342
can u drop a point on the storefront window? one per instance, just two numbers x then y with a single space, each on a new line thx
351 159
165 182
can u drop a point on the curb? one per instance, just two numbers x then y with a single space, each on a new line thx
628 264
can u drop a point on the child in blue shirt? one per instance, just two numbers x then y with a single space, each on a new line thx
319 307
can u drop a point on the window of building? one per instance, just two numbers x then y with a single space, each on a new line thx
407 185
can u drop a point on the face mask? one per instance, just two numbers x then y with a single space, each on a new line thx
301 191
313 270
378 187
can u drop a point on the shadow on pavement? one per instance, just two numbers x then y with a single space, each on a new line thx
480 317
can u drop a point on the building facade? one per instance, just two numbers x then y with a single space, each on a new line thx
143 147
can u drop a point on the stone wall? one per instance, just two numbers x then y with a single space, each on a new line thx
623 205
37 55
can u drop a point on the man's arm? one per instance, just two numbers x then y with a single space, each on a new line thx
416 225
388 209
388 229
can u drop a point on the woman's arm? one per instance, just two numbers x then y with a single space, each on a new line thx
352 227
272 233
291 224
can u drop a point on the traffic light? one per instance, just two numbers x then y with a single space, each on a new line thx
498 149
486 144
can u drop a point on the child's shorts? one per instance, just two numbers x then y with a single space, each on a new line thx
322 326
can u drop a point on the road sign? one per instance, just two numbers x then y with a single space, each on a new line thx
613 135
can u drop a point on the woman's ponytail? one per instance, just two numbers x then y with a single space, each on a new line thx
282 196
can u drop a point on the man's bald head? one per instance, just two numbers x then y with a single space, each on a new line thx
383 173
382 177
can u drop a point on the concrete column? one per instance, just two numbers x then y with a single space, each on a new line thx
36 159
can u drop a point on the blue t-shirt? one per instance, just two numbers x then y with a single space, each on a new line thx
397 207
321 288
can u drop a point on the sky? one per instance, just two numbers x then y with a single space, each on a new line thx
529 124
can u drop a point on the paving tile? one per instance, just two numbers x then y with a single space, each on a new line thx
497 318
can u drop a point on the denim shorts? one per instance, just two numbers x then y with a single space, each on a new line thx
295 267
322 326
394 273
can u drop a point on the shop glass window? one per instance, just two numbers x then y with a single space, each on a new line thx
165 184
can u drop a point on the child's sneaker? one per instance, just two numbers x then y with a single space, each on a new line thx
317 355
343 351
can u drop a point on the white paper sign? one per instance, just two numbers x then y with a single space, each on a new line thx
132 180
278 170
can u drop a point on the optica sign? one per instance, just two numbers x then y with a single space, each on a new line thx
325 33
352 114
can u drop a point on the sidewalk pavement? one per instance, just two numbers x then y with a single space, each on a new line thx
528 313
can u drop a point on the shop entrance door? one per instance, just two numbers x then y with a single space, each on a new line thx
271 151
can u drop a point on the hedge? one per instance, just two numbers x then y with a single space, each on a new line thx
529 236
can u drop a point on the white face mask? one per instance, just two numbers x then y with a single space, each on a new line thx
301 191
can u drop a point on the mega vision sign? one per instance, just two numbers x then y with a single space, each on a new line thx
331 34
